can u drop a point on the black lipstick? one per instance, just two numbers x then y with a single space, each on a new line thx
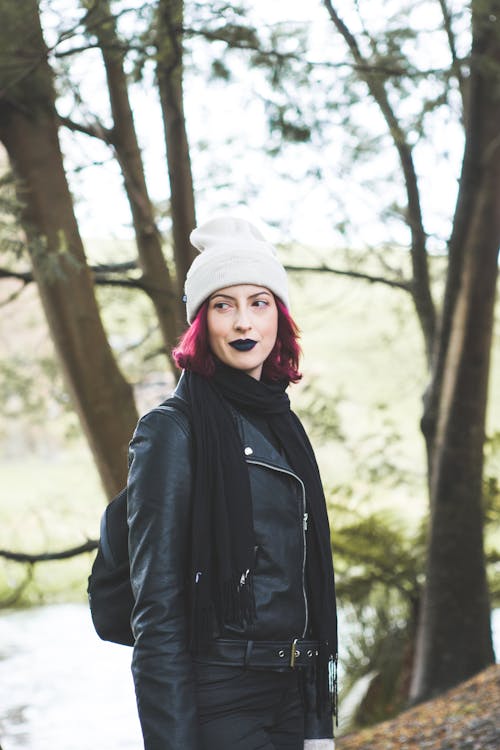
243 345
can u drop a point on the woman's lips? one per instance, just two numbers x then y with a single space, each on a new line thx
243 345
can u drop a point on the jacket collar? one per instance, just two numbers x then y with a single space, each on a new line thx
256 446
181 390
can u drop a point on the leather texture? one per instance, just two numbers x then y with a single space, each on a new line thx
159 488
262 654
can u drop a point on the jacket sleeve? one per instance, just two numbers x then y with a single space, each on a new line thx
159 487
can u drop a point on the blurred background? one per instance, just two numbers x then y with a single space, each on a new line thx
363 138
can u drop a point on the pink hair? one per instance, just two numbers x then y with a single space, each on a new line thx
193 350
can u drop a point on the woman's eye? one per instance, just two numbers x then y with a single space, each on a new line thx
261 303
221 305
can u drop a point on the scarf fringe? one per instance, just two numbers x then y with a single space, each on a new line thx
333 688
238 600
327 683
326 688
238 607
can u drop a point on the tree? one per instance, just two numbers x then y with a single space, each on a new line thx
162 43
156 280
454 640
28 129
169 71
455 617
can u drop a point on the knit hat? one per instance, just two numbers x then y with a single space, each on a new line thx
232 251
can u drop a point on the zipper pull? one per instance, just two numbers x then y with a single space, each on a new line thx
306 515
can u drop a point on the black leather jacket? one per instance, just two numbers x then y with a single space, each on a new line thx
159 490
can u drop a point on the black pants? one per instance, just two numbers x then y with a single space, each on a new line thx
249 709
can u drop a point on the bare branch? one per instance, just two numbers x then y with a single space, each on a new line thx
455 60
95 129
12 298
100 268
421 290
123 283
119 47
128 265
101 278
91 26
25 276
25 557
407 286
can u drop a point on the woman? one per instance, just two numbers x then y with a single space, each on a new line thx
235 619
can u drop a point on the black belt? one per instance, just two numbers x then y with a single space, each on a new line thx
295 653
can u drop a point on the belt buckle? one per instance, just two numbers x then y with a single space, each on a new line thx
294 653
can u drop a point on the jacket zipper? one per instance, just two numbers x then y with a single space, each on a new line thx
303 524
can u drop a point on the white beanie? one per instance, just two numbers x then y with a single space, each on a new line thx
232 251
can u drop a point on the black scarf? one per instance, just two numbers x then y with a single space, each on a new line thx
222 553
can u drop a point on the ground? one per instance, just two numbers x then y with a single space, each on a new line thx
465 718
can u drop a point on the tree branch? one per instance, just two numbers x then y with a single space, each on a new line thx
359 66
119 47
25 276
101 278
407 286
124 283
96 129
11 298
25 557
455 60
421 290
127 265
99 269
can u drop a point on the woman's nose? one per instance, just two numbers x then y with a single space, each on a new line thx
242 322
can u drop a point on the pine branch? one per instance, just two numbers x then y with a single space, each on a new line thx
360 66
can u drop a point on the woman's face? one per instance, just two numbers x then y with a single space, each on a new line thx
242 326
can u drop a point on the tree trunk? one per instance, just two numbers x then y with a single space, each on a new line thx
156 278
454 640
28 129
169 73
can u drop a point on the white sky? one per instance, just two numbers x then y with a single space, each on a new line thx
303 209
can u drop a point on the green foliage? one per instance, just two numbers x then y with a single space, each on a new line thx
378 550
320 411
288 121
380 564
220 70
